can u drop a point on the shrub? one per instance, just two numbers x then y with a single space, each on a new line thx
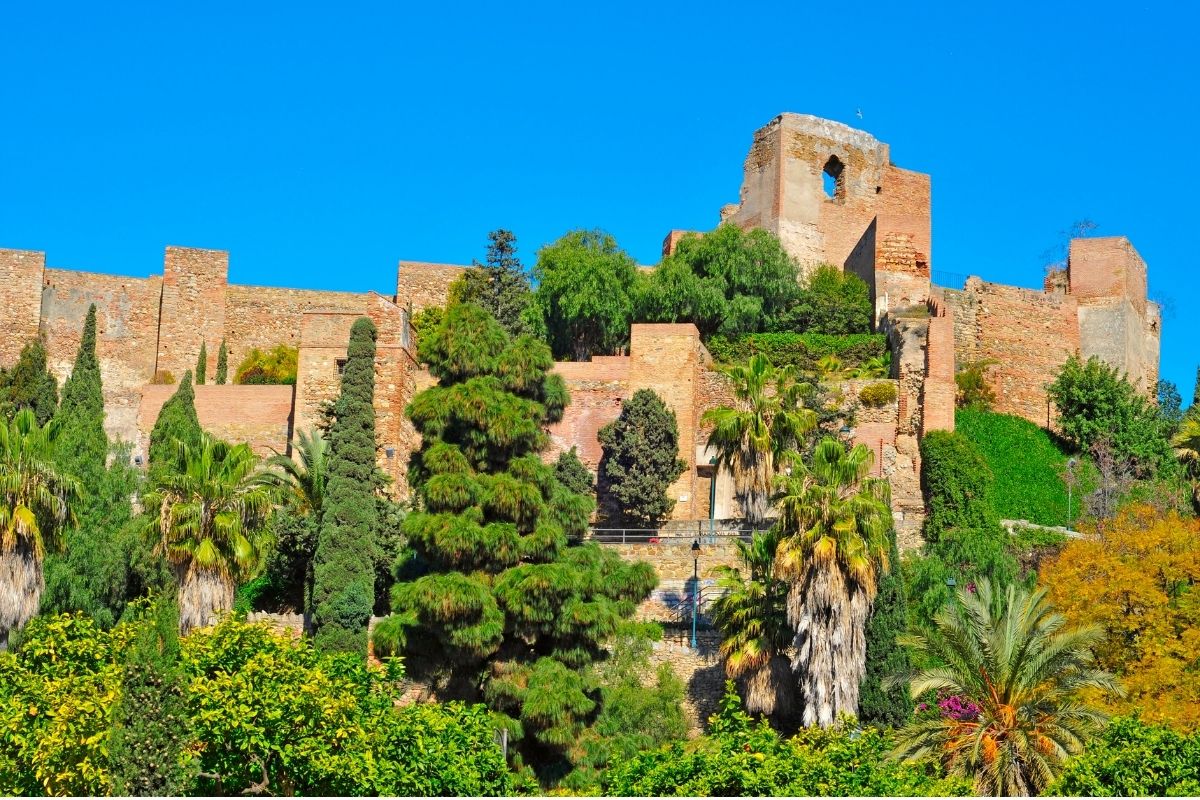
276 366
641 459
830 301
957 484
878 394
1133 759
163 377
972 390
801 350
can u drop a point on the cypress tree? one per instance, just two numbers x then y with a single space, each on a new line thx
202 364
177 422
29 384
886 658
506 612
222 364
641 459
572 473
1196 391
343 591
83 445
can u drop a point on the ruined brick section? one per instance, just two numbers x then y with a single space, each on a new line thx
939 390
258 415
672 240
21 282
1024 335
420 284
192 308
1117 323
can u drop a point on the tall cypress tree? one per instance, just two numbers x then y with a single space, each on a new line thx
100 566
177 422
1196 391
29 384
343 591
886 658
202 364
641 459
222 364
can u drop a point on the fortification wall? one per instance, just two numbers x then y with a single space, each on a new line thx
193 307
258 415
420 284
21 279
126 336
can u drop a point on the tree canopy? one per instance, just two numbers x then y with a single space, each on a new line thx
29 384
641 460
501 285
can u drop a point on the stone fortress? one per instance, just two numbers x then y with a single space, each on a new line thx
873 220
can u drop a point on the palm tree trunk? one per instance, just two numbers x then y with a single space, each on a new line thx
21 586
829 615
204 594
770 689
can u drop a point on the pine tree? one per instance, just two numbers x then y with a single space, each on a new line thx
343 591
1196 392
886 658
500 284
150 721
202 364
505 599
101 565
572 473
641 459
177 422
29 384
222 364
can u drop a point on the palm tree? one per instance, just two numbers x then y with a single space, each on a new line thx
834 521
1187 447
1015 672
768 421
211 508
302 476
36 502
752 617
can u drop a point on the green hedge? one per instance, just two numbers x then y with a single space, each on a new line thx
1027 465
803 350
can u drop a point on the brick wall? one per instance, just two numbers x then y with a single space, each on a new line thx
420 284
126 336
193 307
258 415
938 393
21 279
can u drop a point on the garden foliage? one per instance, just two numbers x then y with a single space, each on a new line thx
29 384
276 366
803 351
640 461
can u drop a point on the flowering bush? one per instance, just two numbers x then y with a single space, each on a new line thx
958 708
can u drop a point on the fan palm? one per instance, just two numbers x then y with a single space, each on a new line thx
36 501
752 617
301 476
1187 447
1016 670
834 522
769 420
211 507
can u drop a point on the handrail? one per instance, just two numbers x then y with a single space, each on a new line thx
658 535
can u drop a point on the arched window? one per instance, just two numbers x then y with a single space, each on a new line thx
833 179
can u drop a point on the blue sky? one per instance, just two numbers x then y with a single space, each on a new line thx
321 143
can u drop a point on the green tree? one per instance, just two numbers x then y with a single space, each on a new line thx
202 364
500 284
507 611
150 722
222 364
728 282
584 293
1134 759
343 593
751 614
886 657
36 501
957 484
1014 673
571 473
829 301
177 422
206 514
29 384
1095 402
274 367
834 521
641 459
768 420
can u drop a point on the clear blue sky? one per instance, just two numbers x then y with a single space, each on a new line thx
321 143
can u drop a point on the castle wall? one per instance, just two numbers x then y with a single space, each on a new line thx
21 278
193 307
258 415
126 336
420 284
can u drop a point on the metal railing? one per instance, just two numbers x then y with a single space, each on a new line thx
948 280
660 536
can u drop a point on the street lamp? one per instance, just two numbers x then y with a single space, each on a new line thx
695 587
1070 485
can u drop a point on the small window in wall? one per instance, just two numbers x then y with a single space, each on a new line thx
341 365
834 180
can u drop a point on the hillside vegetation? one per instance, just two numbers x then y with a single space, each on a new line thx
1027 464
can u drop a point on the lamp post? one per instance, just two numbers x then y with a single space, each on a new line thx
695 587
1070 486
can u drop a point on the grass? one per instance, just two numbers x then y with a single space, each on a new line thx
1027 462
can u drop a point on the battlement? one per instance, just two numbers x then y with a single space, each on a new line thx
1104 268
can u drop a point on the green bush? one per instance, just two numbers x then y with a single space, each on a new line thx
957 485
1133 759
1026 463
275 367
801 350
878 394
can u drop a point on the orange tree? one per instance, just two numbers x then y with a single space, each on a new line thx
1139 582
